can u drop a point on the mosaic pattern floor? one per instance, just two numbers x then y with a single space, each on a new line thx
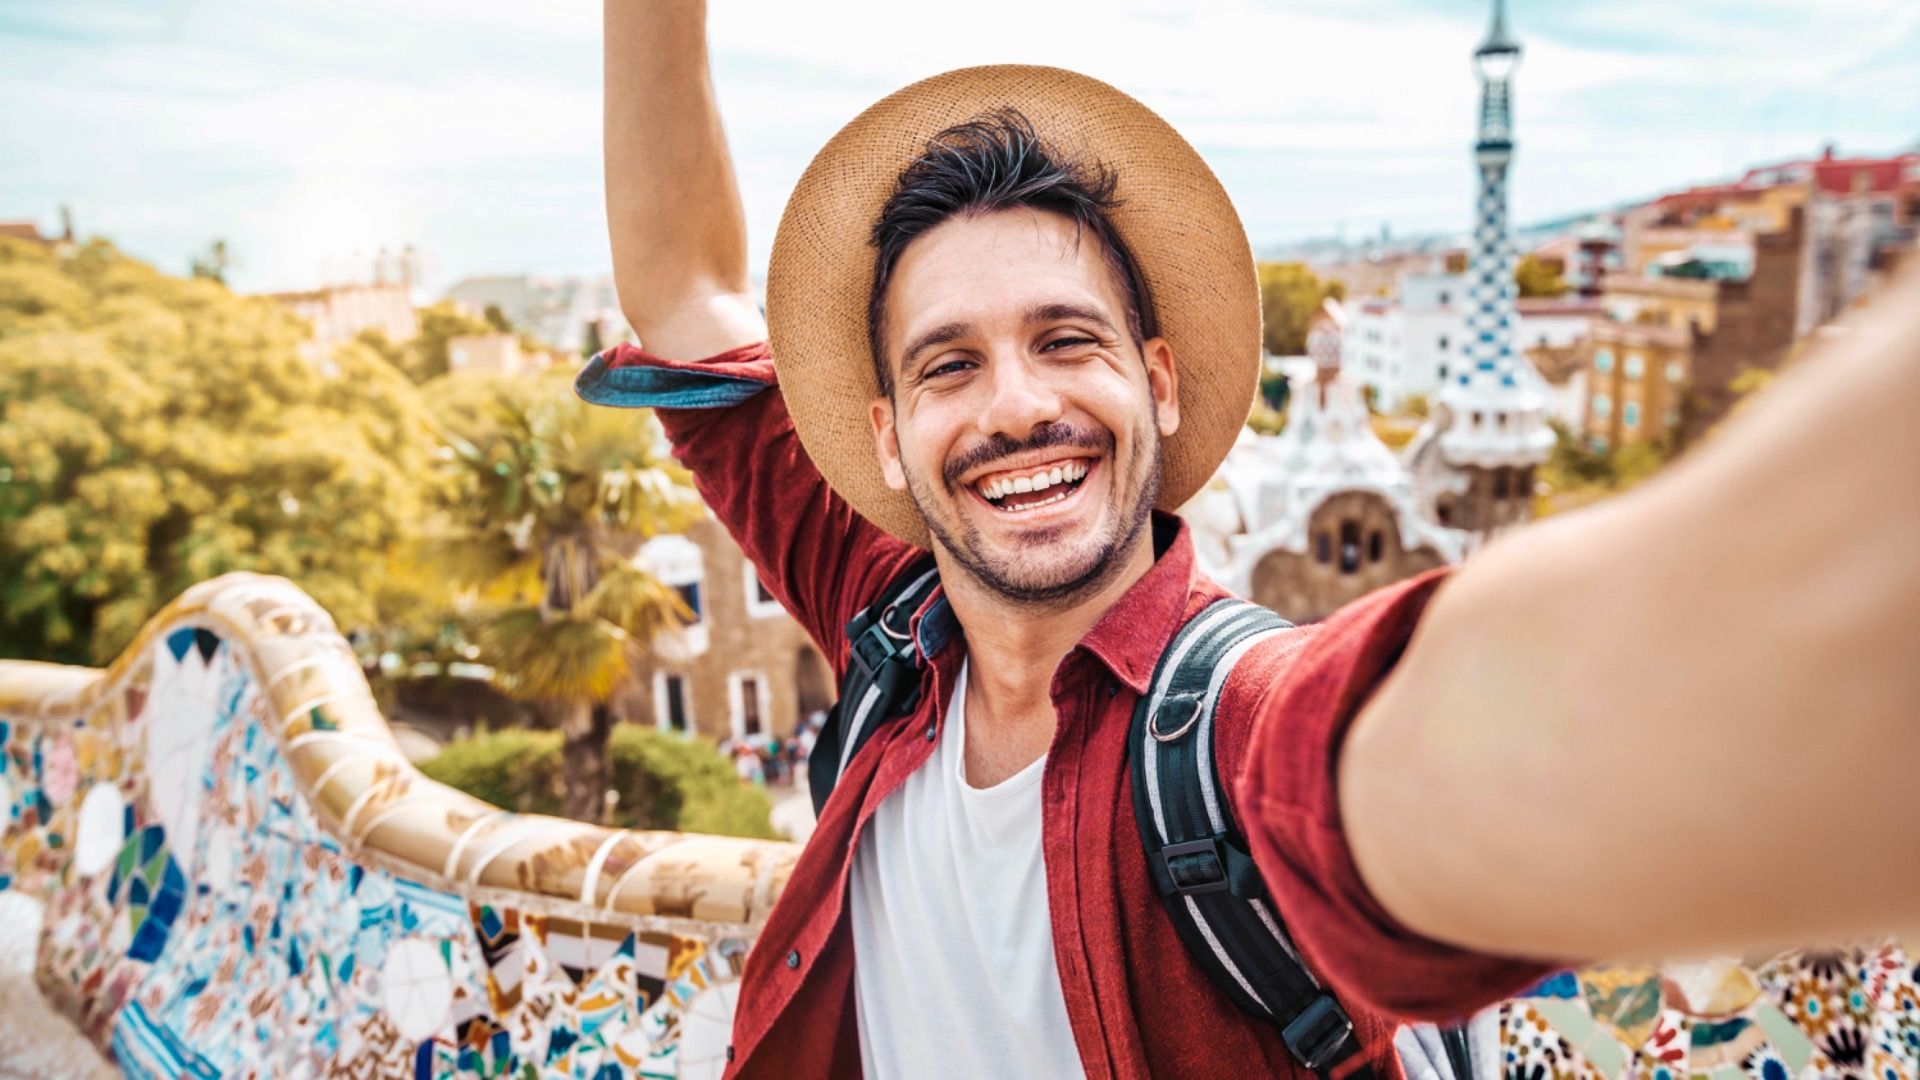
242 878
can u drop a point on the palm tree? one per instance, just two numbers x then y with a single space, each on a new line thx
549 499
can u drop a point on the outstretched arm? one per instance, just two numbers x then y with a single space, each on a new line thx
673 206
1684 722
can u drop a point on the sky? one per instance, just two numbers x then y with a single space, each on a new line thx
311 133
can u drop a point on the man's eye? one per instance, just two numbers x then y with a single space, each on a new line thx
948 368
1067 342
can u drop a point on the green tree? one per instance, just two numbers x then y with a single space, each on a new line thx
593 341
549 500
213 264
1290 294
497 319
158 431
1537 277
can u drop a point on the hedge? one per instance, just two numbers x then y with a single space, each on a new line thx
665 781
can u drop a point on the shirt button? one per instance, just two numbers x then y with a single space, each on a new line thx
793 959
929 732
1113 687
729 1053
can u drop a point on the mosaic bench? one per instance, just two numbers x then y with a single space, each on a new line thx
243 876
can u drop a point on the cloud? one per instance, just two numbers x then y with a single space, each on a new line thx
304 131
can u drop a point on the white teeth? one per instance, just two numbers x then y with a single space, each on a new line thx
1022 484
1043 481
1001 487
1055 476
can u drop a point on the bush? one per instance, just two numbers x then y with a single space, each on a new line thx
664 781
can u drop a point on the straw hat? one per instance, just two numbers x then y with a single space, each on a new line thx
1174 216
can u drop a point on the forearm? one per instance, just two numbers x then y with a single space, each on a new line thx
673 206
1687 720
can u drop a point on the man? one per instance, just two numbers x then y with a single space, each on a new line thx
1013 313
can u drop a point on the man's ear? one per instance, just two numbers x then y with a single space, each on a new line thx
886 442
1163 382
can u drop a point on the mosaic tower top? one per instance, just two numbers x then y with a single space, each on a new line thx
1498 403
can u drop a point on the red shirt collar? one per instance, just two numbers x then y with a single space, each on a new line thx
1133 633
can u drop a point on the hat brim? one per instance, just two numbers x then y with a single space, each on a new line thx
1174 217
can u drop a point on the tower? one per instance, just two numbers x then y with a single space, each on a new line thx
1489 430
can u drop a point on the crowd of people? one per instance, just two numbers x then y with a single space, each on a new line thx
763 760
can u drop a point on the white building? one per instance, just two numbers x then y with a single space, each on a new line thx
554 310
1409 345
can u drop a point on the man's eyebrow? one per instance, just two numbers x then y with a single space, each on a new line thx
939 335
1050 312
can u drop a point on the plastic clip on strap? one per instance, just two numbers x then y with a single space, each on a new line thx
882 679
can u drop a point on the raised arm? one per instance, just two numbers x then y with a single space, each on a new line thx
673 206
1685 722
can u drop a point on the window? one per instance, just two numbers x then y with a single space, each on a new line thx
1630 414
1636 366
676 562
1602 406
760 602
1374 546
1602 361
1349 546
1599 444
1445 299
1676 371
690 595
747 697
1443 373
670 712
1500 483
1323 547
1443 343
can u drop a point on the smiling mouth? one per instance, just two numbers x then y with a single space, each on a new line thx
1017 491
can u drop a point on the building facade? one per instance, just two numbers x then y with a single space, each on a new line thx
741 667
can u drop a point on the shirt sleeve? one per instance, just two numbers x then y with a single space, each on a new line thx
728 424
1289 796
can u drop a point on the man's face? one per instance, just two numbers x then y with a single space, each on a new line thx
1025 422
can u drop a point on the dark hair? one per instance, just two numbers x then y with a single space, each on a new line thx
997 162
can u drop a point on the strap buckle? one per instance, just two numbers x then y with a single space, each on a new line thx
1202 867
1317 1035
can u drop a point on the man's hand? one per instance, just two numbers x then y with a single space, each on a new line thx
673 206
1686 721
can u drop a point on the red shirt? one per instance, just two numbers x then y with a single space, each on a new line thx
1138 1004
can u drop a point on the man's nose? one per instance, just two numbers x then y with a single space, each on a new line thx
1022 397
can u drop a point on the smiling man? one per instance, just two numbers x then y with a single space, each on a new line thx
1013 324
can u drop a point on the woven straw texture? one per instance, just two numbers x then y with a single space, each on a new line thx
1175 217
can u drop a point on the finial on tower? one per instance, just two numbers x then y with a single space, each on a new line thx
1498 39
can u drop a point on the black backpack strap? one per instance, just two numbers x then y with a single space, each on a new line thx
882 680
1198 856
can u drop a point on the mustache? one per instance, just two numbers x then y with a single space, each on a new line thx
1047 436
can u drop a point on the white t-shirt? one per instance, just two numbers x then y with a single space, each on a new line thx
953 967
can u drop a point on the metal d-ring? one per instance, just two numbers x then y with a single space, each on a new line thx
897 635
1153 722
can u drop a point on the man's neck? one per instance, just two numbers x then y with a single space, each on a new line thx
1013 650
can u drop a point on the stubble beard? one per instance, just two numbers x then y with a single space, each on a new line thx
1002 572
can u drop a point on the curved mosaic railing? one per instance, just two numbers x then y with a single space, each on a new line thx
243 876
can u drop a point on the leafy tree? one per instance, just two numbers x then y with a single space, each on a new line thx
214 264
593 341
549 499
158 431
1537 277
497 319
1290 294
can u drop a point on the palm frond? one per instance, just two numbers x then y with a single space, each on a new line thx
636 602
569 658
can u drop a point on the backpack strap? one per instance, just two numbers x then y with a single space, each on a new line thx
1198 856
882 680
